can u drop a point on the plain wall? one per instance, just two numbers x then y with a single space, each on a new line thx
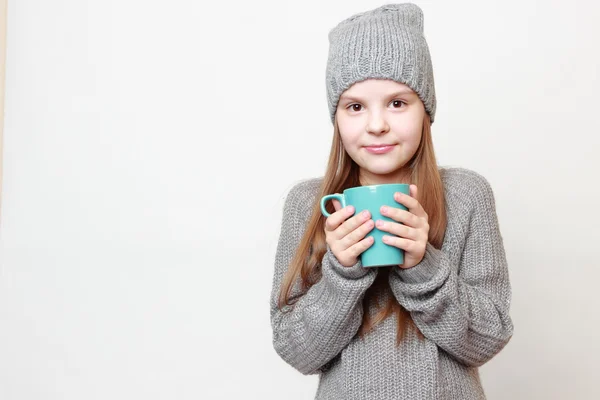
148 148
2 82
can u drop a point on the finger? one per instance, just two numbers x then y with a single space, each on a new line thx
411 201
357 249
357 234
406 200
413 192
421 212
352 223
336 205
401 243
337 218
397 229
402 216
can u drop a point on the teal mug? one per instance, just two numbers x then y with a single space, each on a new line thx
372 198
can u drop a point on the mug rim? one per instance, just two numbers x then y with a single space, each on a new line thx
374 186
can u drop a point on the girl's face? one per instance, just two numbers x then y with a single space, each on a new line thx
380 112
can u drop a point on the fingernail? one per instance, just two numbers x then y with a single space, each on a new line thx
379 223
350 209
365 213
384 209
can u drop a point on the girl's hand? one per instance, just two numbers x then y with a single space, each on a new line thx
414 234
345 234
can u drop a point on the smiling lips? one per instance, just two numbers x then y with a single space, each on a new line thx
380 149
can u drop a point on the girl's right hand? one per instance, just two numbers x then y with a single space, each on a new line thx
347 238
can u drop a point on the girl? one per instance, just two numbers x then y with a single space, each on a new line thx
419 330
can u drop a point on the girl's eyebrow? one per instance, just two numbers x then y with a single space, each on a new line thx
398 93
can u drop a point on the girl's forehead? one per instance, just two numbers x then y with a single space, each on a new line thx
373 86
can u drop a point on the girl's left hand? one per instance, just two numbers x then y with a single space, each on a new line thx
412 237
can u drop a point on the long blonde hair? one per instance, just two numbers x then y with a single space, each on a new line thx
342 172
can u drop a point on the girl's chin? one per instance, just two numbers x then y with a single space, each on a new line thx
382 169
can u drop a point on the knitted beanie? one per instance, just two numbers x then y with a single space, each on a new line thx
386 42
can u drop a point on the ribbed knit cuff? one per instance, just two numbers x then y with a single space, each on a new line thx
424 270
354 272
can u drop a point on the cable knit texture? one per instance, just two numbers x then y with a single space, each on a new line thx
459 298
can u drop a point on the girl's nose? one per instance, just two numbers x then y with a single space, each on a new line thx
377 124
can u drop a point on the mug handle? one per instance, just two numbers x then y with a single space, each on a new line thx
337 196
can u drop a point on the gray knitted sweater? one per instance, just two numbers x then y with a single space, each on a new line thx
459 297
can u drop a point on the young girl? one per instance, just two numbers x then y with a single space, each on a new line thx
419 330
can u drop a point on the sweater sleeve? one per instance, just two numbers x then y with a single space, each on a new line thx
464 309
324 319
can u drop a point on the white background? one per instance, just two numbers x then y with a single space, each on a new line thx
149 146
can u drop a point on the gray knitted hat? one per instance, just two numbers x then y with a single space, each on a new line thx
386 42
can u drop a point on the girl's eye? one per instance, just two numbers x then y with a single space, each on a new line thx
356 107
